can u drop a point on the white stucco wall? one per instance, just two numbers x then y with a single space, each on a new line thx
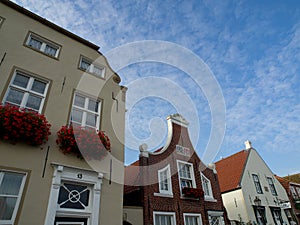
256 165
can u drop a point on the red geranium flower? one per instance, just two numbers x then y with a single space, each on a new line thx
21 125
85 143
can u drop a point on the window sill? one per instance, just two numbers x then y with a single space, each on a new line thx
163 195
209 199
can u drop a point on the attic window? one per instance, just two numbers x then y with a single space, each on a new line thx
257 183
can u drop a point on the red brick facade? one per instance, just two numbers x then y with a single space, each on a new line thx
147 193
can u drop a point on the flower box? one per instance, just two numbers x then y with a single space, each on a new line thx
85 143
192 192
22 125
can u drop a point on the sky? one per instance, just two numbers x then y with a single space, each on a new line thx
249 51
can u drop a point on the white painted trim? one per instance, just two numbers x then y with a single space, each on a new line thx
173 214
16 208
215 213
207 197
170 191
192 173
193 214
163 195
77 175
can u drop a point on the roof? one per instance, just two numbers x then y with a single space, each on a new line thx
293 178
49 24
284 182
230 170
131 178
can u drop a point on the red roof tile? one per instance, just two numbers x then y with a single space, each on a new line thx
230 170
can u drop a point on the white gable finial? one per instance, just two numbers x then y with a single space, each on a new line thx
248 144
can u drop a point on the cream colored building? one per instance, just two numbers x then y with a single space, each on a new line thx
250 192
56 73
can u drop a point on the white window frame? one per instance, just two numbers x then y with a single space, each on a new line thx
192 179
218 214
75 175
27 90
272 186
45 42
85 111
19 196
91 67
160 172
293 192
207 184
257 183
172 214
197 215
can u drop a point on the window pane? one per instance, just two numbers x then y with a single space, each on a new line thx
14 96
21 80
91 119
49 50
33 102
77 116
98 71
34 43
84 64
73 196
38 86
79 101
7 205
11 183
93 105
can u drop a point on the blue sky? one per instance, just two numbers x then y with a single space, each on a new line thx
252 48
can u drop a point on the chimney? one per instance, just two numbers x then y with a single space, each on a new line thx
248 144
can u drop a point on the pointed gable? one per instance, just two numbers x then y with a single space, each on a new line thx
230 170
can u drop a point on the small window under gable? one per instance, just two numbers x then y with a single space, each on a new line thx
272 186
206 185
257 183
89 66
43 45
164 180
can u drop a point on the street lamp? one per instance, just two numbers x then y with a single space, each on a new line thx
257 201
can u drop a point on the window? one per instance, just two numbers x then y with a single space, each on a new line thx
90 67
257 184
186 174
293 192
164 179
272 186
276 213
260 214
11 188
26 91
215 218
43 45
192 219
206 187
164 218
74 196
85 111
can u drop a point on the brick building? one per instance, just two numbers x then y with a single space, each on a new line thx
172 185
293 191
